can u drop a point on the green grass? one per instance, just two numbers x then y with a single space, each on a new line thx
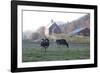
34 53
72 39
79 48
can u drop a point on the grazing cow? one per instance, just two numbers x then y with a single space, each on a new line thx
62 42
45 43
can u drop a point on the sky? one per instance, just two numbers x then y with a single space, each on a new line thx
32 20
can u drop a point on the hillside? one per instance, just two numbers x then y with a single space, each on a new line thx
76 24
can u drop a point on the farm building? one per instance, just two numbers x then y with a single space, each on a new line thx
53 28
81 31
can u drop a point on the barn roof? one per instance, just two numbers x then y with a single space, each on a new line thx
55 22
76 31
60 23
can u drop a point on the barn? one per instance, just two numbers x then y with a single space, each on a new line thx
81 31
53 28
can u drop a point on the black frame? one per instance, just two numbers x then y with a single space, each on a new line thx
14 5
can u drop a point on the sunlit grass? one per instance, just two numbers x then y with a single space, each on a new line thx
71 39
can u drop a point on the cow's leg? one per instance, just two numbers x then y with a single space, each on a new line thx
42 50
45 49
56 44
67 44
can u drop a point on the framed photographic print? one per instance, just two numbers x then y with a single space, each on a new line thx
51 36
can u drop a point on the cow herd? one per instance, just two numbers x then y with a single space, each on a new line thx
45 43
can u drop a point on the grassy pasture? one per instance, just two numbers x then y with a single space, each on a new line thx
72 39
32 52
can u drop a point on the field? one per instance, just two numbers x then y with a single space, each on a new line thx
32 52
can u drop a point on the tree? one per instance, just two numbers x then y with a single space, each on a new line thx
41 31
35 36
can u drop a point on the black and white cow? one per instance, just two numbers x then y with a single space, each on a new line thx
62 42
44 43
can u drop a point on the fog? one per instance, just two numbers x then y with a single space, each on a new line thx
32 20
